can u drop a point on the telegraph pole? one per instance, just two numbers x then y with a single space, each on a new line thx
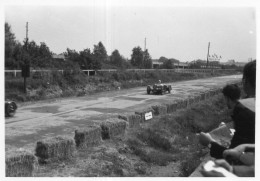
144 52
26 68
26 39
208 55
144 44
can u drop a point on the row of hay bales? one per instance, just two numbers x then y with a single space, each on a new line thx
22 163
136 119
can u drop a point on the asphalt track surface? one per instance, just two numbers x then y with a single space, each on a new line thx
45 119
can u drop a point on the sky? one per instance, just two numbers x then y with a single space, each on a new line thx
172 31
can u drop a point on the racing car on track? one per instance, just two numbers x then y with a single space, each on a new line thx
159 88
10 108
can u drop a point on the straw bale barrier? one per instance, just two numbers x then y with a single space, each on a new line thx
171 107
202 96
207 95
133 120
159 110
185 103
179 104
212 92
87 137
218 91
112 127
19 163
56 148
197 99
146 114
191 100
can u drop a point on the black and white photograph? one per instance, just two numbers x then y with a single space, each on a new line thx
131 89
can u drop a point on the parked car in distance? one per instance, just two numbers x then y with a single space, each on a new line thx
159 89
10 108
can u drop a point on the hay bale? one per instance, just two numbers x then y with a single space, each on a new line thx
191 101
56 148
133 120
112 127
159 110
202 96
19 163
212 92
197 99
185 103
171 107
87 137
218 91
123 116
179 104
207 95
146 114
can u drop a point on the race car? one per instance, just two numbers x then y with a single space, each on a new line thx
159 89
10 108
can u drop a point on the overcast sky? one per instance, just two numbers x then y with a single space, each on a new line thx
173 32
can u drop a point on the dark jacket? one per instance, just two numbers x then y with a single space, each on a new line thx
244 124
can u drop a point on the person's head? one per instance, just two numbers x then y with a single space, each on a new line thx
231 93
249 78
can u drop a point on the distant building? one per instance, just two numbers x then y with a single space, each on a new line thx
59 57
157 64
181 65
233 62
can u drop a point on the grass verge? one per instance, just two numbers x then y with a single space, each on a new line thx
173 137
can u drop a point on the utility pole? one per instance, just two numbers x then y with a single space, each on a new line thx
26 67
208 55
144 52
144 44
26 39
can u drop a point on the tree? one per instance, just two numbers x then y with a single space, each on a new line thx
10 44
173 60
44 51
100 52
10 41
137 57
167 64
86 60
116 59
147 60
162 59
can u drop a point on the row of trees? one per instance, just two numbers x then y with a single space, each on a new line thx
40 56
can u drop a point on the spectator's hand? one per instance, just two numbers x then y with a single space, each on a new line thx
220 168
236 152
205 138
232 153
212 173
223 163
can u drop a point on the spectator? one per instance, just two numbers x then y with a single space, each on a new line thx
243 117
232 95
